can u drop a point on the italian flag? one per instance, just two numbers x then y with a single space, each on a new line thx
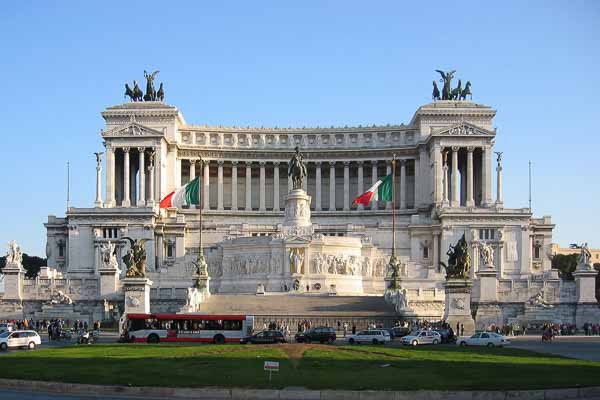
381 190
184 196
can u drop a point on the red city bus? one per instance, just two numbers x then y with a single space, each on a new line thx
155 328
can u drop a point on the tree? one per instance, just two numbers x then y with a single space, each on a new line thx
32 264
565 264
597 268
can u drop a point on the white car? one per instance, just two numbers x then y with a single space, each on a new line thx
375 336
28 339
4 327
488 339
422 337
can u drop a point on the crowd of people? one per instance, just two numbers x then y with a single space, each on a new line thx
56 328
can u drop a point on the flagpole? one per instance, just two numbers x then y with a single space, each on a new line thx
200 206
394 206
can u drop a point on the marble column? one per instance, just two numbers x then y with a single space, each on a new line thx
416 185
361 182
276 186
438 180
248 185
206 184
486 174
318 186
305 181
455 199
142 183
110 175
402 183
346 185
98 202
374 204
446 178
150 201
261 185
470 202
220 185
436 251
499 200
234 180
331 185
192 170
126 200
388 171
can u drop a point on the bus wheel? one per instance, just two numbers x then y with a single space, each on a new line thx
153 338
219 339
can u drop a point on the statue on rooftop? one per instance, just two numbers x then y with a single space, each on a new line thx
297 169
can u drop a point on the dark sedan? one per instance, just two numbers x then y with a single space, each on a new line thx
265 337
322 334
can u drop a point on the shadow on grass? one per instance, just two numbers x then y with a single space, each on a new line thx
321 367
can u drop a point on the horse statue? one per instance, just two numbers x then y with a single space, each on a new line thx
297 169
447 80
150 91
455 93
160 95
135 259
459 260
436 92
134 94
466 92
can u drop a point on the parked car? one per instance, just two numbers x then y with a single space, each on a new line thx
399 331
422 337
375 336
265 337
488 339
6 327
447 335
321 334
28 339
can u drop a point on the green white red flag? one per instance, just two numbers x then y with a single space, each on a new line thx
184 196
381 190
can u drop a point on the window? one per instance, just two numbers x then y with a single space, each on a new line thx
425 252
485 336
487 234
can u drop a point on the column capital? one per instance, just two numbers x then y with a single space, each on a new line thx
276 163
262 163
346 164
192 161
455 148
108 146
125 149
205 162
402 161
220 163
248 164
141 149
470 149
318 163
360 163
235 163
331 163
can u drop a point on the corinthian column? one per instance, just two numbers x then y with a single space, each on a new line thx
150 201
142 184
276 186
455 201
318 186
402 183
361 183
388 171
445 201
110 175
192 170
346 185
374 204
499 201
234 180
98 202
206 184
220 185
261 186
126 200
248 185
331 185
470 201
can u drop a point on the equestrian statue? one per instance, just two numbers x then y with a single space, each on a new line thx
459 260
297 169
135 259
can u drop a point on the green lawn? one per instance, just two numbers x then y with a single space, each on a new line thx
311 366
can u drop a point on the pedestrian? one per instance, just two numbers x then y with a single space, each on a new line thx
307 288
345 328
353 328
462 329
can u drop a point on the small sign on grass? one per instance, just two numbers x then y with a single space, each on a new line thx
271 366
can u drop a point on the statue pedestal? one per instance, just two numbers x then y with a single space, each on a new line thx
137 295
297 210
458 305
109 282
488 284
585 281
13 281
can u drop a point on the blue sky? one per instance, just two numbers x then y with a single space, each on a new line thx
299 63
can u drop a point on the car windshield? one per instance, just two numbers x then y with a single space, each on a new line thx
4 334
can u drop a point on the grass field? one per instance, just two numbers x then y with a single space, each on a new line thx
311 366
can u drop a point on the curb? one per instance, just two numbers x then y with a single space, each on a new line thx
289 394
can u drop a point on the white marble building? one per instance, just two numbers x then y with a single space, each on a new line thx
444 189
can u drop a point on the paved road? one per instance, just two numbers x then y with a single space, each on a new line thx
583 347
18 395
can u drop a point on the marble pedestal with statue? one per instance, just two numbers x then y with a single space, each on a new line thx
137 295
457 312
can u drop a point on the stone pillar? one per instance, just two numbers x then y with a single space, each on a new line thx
192 170
374 204
126 200
470 202
402 183
437 175
248 185
98 202
234 194
109 282
458 305
137 295
276 186
151 161
388 171
585 281
305 180
486 175
261 186
361 183
436 251
499 200
445 179
142 183
346 185
455 198
331 185
416 183
318 186
220 185
14 274
206 184
110 175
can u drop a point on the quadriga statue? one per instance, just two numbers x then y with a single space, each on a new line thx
459 260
